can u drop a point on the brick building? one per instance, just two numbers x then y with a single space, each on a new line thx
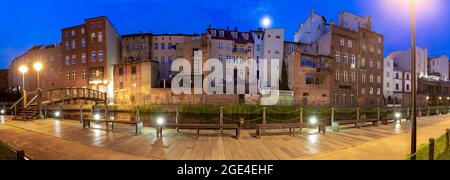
89 53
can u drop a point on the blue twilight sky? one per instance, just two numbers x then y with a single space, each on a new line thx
28 23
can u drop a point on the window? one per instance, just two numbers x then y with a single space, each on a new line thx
371 64
397 87
372 49
144 46
389 64
363 90
100 36
363 78
83 43
364 47
169 46
68 76
378 91
380 40
350 43
407 76
397 76
220 46
353 77
74 75
156 46
100 55
228 59
220 58
234 34
73 44
83 74
163 60
371 79
67 45
309 79
221 33
388 85
169 60
345 76
120 71
342 41
378 65
74 59
133 70
73 32
163 46
363 62
82 30
371 90
133 46
93 38
307 61
258 48
66 34
345 58
338 56
407 87
67 60
353 60
337 74
379 51
93 56
291 48
245 35
213 33
379 79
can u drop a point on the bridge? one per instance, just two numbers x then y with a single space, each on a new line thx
53 96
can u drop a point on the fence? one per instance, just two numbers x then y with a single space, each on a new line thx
437 149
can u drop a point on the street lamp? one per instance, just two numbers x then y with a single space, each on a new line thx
38 67
24 69
413 90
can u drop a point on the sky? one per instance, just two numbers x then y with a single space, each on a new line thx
34 22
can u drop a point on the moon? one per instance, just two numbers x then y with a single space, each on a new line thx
266 22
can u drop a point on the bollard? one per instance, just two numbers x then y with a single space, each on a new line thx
420 112
431 149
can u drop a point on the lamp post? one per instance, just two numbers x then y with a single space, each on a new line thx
38 67
24 69
413 90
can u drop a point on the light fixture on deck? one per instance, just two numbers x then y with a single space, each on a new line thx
160 121
2 112
313 120
398 115
97 117
57 114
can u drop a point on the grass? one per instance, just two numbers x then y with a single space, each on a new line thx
440 151
6 153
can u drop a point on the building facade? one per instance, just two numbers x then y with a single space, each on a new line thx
438 67
90 52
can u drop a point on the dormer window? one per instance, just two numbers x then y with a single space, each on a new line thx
234 34
245 36
214 33
221 33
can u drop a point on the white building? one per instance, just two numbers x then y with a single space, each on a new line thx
439 67
273 49
354 22
311 29
403 61
396 82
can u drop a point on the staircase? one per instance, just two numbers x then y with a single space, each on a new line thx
29 112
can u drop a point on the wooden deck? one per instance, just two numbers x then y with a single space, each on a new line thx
276 145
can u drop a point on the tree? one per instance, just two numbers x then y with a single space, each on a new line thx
284 77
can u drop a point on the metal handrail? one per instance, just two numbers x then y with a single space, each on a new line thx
32 101
16 103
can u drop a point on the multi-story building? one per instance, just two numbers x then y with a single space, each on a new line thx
403 60
136 47
438 67
90 51
311 29
273 49
358 62
164 52
397 84
4 77
309 78
51 75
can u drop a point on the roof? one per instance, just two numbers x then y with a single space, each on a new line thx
137 34
228 35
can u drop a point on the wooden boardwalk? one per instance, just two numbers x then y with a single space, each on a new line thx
213 146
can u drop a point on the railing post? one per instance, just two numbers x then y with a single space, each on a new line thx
176 118
431 149
379 114
221 119
301 116
447 140
420 112
45 112
407 112
39 103
429 111
264 118
358 118
81 114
